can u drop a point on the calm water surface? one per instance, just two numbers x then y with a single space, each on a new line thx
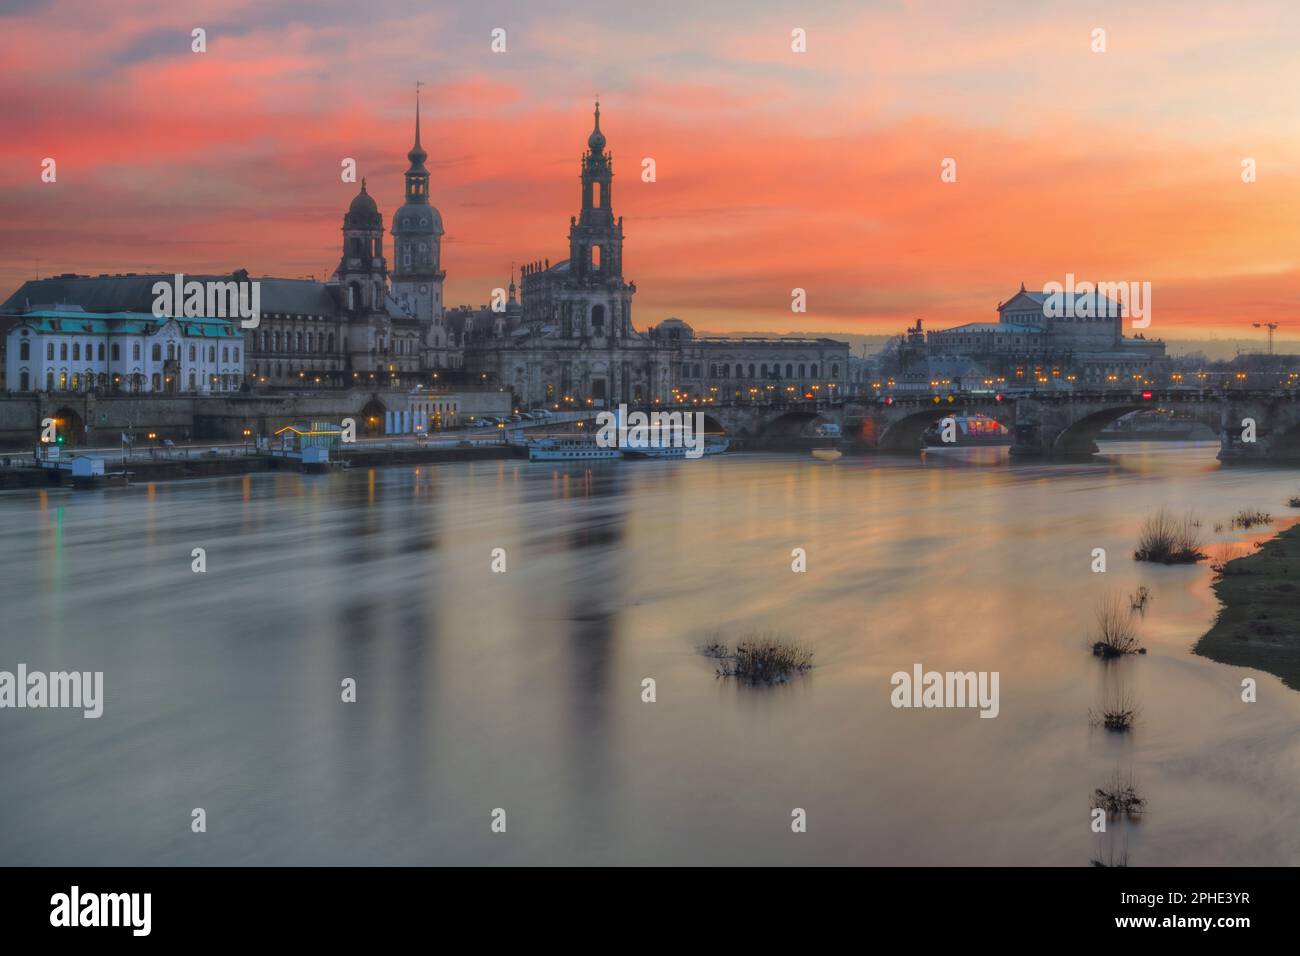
523 690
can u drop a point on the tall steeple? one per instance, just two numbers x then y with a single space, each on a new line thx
417 176
417 253
595 237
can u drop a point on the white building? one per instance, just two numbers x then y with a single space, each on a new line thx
66 349
425 412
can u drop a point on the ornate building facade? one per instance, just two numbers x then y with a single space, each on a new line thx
565 335
572 340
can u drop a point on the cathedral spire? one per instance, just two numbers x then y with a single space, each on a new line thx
596 141
417 155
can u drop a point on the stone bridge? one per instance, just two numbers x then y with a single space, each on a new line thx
1046 424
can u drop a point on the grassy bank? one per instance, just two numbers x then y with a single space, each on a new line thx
1259 625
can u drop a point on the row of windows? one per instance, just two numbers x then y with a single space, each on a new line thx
78 382
228 354
764 371
295 342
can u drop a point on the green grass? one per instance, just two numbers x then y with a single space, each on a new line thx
1259 625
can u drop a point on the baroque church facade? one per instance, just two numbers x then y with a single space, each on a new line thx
572 340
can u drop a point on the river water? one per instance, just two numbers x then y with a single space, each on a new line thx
522 691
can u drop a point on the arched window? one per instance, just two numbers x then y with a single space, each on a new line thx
171 351
192 351
24 351
764 370
803 370
156 381
76 351
595 258
297 342
740 370
814 370
835 371
135 351
597 316
156 352
49 381
24 381
596 194
751 369
63 351
76 382
699 370
309 343
789 370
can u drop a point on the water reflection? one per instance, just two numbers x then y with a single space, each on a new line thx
522 689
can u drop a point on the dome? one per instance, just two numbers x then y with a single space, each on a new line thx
418 218
363 210
596 141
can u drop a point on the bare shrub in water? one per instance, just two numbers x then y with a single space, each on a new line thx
1116 631
1119 797
761 659
1169 539
1117 712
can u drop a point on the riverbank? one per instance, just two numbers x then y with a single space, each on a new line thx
1259 625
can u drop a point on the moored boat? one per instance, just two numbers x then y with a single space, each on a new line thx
570 449
712 446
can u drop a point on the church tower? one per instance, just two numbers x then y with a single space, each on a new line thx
362 276
417 254
596 247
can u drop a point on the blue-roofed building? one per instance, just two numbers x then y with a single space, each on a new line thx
64 348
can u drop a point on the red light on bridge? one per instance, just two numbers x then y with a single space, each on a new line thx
999 396
1146 396
889 400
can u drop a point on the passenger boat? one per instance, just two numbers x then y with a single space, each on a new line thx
712 446
570 449
971 430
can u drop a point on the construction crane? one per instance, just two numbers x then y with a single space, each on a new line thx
1271 326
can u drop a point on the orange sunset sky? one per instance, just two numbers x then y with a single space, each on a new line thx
776 169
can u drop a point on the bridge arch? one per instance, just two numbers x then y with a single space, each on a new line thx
1284 444
790 425
1080 436
906 433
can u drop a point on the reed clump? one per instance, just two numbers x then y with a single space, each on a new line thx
1119 797
760 659
1116 633
1248 519
1170 539
1117 713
